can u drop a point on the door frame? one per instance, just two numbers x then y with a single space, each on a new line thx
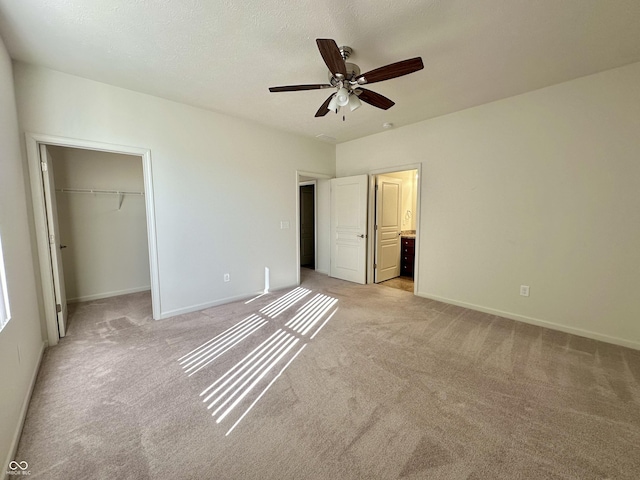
372 211
315 176
33 141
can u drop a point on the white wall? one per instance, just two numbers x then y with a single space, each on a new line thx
539 189
107 252
21 339
222 185
409 197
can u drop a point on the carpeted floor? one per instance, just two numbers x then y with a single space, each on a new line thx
390 386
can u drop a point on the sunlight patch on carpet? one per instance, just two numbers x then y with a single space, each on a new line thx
311 313
209 351
282 304
248 380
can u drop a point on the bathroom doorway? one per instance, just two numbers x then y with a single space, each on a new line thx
395 206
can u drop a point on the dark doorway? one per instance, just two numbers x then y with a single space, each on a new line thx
307 226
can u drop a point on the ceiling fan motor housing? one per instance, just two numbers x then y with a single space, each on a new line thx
353 71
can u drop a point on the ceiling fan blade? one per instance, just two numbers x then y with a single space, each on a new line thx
375 99
392 70
295 88
332 56
324 108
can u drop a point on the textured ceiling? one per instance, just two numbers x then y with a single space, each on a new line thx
223 55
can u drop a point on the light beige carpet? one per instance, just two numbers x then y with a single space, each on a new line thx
392 386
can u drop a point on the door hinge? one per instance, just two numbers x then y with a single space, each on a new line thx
44 166
376 227
52 239
58 307
376 188
375 265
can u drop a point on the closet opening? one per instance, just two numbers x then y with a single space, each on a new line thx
93 210
101 216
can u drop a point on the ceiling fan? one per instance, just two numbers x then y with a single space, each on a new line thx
347 80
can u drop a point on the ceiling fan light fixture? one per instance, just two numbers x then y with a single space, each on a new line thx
354 102
342 97
333 104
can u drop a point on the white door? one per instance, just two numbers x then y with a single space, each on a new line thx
388 226
54 239
349 228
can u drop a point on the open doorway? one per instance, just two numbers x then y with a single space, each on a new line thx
312 246
101 234
395 203
307 220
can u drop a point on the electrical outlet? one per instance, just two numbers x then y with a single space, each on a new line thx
226 277
524 290
284 225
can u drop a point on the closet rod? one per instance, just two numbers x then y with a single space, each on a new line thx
93 190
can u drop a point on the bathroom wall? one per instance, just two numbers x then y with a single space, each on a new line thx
409 197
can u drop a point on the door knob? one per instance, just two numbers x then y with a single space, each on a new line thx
62 246
361 236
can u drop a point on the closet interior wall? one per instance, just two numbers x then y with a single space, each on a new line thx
105 232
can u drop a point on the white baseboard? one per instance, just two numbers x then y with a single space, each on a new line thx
98 296
23 416
536 321
215 303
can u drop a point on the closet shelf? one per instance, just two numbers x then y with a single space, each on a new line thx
120 193
93 190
